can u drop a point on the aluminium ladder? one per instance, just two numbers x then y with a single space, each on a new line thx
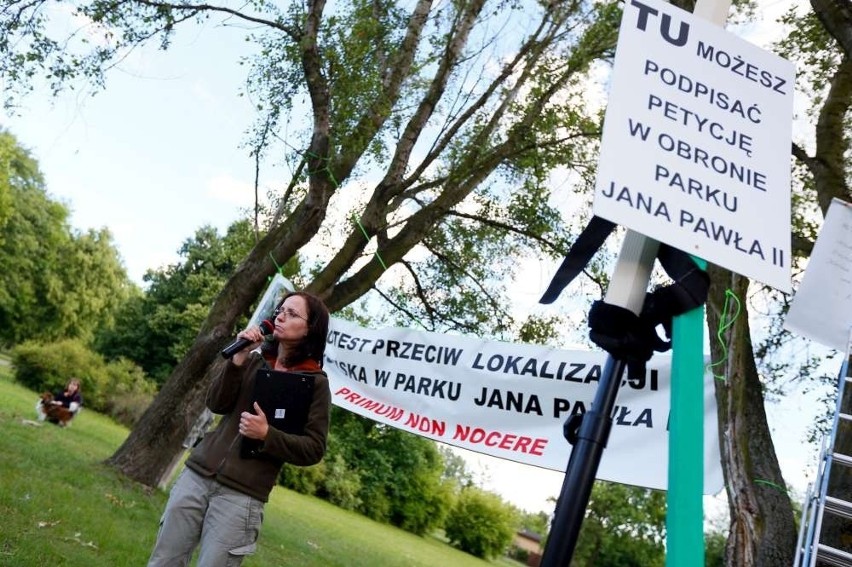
825 534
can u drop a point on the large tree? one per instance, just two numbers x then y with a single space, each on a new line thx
623 525
432 132
821 41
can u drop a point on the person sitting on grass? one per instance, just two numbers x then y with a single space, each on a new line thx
71 398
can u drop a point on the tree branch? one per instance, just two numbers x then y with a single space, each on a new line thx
508 228
293 33
832 141
376 115
836 18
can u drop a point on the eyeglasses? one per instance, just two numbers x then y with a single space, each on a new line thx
289 313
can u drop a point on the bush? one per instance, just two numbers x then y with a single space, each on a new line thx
427 512
127 409
304 480
341 484
714 549
518 554
129 393
329 480
480 523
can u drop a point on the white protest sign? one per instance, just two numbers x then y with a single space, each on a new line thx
696 142
822 307
508 400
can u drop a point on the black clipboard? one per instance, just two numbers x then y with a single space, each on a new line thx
285 398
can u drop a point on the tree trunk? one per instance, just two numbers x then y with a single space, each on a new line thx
148 452
763 530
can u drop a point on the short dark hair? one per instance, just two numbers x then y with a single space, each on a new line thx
314 344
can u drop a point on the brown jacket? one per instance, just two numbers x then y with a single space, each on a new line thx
218 454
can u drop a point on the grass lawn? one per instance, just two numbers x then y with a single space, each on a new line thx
59 505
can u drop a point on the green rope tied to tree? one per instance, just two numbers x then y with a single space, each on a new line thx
382 262
726 322
278 268
357 221
336 185
322 169
771 484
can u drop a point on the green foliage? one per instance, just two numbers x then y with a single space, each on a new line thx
536 522
386 474
399 473
817 178
304 480
94 284
472 251
358 41
331 480
475 108
129 391
809 44
48 366
34 232
489 118
471 258
714 549
480 523
455 468
342 485
55 283
107 387
9 154
541 330
624 526
155 329
518 554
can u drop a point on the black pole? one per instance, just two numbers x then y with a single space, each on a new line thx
591 438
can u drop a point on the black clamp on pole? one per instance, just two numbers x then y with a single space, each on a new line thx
624 325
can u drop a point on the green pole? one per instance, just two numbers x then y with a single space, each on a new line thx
684 510
685 515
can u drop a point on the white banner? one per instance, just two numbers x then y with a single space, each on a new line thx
508 400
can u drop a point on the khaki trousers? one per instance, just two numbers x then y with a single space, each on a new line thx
225 522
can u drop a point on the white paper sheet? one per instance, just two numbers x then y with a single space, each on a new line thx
822 308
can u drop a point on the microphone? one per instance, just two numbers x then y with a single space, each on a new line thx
266 326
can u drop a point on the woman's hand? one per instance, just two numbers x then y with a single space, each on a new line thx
254 426
253 334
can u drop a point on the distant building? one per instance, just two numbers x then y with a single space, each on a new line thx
530 545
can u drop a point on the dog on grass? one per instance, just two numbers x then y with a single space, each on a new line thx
54 411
